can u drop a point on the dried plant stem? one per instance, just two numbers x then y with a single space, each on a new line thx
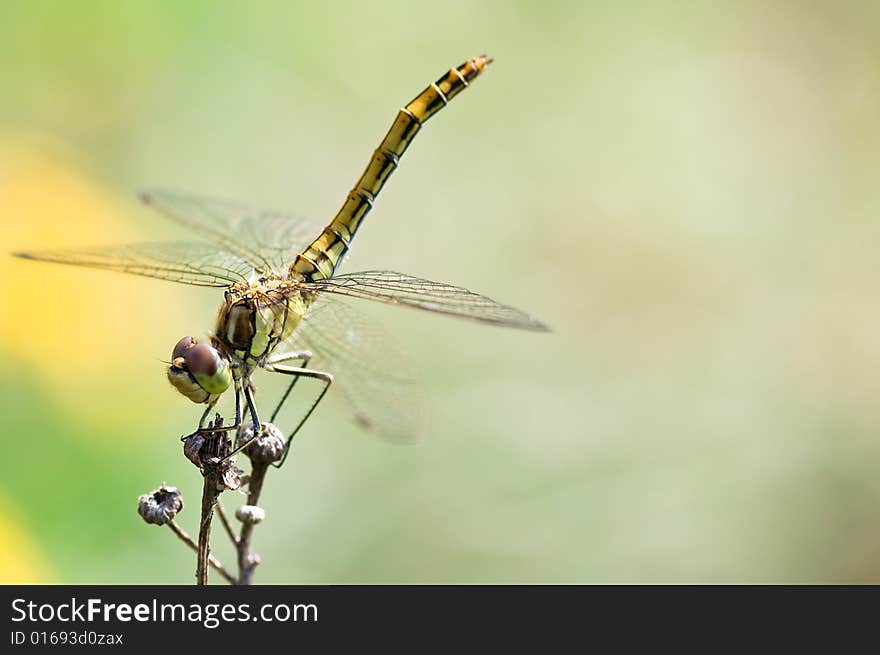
210 493
209 496
248 561
211 450
221 513
213 561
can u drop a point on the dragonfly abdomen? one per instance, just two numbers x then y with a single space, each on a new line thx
320 259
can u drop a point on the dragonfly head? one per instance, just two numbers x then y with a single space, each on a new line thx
198 370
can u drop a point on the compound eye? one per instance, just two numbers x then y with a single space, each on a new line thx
210 370
198 370
202 359
182 347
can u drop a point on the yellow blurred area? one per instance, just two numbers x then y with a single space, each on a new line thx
21 559
69 327
47 204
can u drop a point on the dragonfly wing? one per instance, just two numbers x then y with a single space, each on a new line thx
194 263
267 239
400 289
372 377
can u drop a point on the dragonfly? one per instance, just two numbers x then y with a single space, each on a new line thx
285 308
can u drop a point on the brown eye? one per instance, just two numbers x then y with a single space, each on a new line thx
182 347
202 359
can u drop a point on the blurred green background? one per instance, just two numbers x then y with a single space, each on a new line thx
686 192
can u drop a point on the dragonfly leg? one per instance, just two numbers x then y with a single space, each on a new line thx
254 417
301 372
205 416
202 429
238 404
252 408
235 426
305 357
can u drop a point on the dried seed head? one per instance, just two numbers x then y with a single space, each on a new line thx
268 447
229 476
250 514
210 450
161 505
205 448
192 447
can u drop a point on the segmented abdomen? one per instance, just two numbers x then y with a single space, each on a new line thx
320 259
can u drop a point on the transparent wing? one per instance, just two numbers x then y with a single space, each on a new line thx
372 377
194 263
400 289
268 239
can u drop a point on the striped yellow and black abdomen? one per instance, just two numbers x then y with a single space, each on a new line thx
320 258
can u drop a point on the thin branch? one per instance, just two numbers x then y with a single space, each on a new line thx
247 562
266 448
209 498
213 561
211 454
226 524
211 450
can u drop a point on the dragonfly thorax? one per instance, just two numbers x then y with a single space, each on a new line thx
254 319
